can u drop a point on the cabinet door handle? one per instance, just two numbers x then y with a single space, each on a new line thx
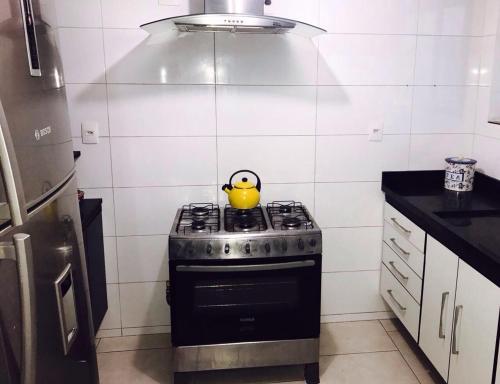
396 222
444 297
399 249
454 342
402 308
393 265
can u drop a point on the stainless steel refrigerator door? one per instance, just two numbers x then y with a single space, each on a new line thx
33 96
64 346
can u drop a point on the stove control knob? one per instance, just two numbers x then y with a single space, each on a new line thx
227 248
247 248
267 247
301 244
209 248
284 245
312 242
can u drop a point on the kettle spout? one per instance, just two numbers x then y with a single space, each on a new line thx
227 188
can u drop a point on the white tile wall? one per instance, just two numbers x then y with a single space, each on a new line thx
151 210
276 159
352 249
427 150
184 111
143 304
451 17
251 59
444 109
143 258
133 57
265 110
344 110
82 54
351 292
376 16
447 60
161 110
366 59
487 136
87 103
94 166
143 161
337 162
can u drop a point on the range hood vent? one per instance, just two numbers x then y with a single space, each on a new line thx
236 16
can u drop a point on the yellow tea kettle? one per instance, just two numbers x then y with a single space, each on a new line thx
243 194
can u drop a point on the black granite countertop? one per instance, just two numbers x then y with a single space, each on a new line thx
468 223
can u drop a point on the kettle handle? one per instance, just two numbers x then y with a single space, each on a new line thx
258 186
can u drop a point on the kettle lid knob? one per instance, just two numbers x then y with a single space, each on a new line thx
244 179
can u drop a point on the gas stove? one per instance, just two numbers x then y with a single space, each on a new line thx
245 288
207 231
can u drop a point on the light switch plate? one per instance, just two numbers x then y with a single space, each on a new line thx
376 132
90 132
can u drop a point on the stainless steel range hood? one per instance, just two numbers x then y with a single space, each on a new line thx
236 16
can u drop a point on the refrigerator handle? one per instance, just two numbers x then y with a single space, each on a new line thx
30 36
24 256
10 172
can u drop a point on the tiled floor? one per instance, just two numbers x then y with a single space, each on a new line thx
374 352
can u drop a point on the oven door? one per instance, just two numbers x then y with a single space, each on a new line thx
230 301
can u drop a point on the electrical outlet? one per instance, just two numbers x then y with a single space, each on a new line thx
90 132
376 132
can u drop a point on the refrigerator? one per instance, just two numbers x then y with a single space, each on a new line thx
46 332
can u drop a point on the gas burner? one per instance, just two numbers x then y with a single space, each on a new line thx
199 218
200 211
198 225
291 223
289 215
244 220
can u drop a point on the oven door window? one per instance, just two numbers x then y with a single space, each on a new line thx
246 302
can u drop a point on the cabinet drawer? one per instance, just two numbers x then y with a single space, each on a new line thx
413 233
402 273
404 249
400 301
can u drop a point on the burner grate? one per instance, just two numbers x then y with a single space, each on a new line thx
248 220
289 215
199 218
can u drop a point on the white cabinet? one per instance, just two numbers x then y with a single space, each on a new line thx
477 306
437 304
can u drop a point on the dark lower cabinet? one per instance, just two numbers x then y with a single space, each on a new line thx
91 215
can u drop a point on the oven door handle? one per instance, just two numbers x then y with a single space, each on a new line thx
246 268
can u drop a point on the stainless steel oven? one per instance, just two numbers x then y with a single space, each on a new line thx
232 301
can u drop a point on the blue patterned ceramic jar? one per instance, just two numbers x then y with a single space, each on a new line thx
460 174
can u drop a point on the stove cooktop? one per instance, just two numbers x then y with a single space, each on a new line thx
282 228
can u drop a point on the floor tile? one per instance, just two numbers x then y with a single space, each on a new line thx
131 343
414 358
390 325
135 367
373 368
354 337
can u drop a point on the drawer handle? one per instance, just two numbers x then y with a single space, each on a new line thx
399 249
444 298
395 221
454 342
401 308
393 265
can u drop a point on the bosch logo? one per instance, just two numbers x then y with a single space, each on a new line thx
39 133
